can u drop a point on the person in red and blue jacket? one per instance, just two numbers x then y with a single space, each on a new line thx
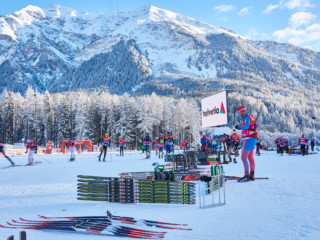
214 144
122 144
203 141
281 144
31 146
249 140
302 143
147 143
105 142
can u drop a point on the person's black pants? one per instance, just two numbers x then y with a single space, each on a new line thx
303 150
104 149
121 150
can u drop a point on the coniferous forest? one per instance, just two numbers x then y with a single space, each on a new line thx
85 115
82 115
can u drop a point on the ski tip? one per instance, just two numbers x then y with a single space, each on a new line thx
174 228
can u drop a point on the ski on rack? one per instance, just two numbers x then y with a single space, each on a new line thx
126 220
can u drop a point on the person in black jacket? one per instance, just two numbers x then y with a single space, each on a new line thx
312 143
4 154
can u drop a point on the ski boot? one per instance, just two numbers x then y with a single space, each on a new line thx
234 160
245 178
251 176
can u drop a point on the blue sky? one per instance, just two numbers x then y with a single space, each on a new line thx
293 21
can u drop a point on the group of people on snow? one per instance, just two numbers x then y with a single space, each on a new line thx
304 145
231 142
160 144
166 142
213 145
105 143
282 145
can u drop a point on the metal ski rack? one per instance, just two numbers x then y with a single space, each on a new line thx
215 189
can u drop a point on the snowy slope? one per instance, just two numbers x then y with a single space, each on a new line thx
283 207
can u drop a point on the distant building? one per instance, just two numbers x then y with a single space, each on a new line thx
220 131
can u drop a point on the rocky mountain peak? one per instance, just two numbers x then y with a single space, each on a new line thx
43 47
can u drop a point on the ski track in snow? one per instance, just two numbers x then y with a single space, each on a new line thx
285 207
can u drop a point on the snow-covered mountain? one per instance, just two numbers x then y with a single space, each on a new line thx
60 49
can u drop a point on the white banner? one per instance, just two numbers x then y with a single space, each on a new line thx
214 110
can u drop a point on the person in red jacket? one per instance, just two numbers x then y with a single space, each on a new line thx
72 148
249 140
105 142
31 146
236 142
184 145
203 141
302 143
122 144
156 144
281 144
4 154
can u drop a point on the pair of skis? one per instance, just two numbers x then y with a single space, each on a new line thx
127 220
85 225
104 225
19 165
238 178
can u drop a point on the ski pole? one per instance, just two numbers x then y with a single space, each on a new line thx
46 159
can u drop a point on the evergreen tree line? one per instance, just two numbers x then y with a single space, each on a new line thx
83 115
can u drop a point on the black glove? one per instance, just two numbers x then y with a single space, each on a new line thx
236 127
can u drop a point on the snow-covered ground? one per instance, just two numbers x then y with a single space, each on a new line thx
287 206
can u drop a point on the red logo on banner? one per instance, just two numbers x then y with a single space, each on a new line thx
222 110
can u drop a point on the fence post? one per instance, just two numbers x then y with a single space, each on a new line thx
23 235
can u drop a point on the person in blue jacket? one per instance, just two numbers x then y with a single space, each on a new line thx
249 141
147 143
